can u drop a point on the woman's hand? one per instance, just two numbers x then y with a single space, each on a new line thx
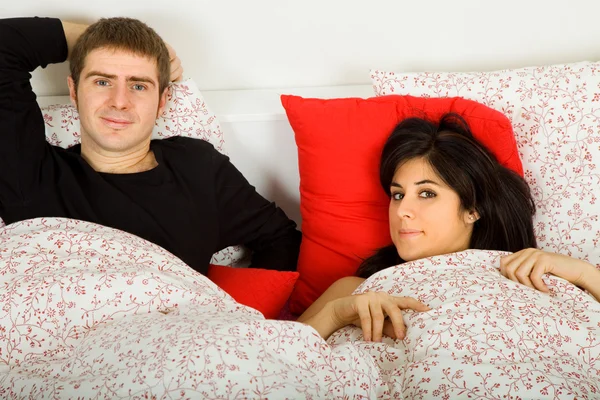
527 267
176 67
369 311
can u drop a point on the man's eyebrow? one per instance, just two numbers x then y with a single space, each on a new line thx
145 79
98 73
129 78
423 182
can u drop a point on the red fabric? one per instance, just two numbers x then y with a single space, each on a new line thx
262 289
344 209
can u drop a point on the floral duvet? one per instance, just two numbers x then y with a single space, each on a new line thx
92 312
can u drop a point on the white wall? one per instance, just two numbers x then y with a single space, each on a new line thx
248 44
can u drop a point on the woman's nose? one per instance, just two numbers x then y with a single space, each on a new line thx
406 209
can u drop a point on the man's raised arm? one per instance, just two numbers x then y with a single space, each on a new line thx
25 44
72 33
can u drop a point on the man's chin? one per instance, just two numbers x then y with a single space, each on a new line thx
111 143
114 139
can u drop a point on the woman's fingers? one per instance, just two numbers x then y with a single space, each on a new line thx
395 319
372 309
527 267
411 304
522 271
391 306
536 278
364 314
388 329
514 267
507 265
377 318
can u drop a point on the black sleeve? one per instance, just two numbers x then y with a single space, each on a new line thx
247 218
25 44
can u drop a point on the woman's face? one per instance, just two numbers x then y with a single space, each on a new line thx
426 217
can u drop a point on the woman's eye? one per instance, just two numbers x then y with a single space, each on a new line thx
427 194
397 196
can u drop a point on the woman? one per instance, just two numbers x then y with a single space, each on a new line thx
447 193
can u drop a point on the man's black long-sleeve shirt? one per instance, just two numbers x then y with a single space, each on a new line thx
194 203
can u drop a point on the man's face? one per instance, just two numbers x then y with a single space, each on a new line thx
118 101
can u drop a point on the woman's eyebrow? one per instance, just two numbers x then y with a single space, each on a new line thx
423 182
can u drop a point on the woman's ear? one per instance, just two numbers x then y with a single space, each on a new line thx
471 217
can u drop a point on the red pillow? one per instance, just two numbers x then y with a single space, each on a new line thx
262 289
344 210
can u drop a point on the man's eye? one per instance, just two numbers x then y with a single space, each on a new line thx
427 194
102 83
139 87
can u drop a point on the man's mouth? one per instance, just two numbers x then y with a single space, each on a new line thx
116 123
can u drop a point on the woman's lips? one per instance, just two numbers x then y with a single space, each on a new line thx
409 233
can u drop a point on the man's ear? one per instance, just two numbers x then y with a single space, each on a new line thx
72 91
162 102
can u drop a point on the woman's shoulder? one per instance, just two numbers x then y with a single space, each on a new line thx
346 284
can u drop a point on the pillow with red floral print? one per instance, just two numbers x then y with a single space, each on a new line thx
555 113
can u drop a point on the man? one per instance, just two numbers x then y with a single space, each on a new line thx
179 193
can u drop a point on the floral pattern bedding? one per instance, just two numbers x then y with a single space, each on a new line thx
92 312
487 337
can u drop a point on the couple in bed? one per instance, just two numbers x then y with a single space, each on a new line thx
447 192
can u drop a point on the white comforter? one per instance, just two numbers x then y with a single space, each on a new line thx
487 337
91 312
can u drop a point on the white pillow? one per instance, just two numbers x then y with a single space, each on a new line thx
555 112
185 114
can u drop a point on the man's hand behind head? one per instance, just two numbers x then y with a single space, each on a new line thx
176 67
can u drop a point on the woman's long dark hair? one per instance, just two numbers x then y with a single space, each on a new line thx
499 195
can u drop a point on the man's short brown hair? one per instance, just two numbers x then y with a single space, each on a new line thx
125 34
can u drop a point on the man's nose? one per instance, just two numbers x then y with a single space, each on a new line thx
121 97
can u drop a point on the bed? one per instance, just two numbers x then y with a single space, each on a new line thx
92 312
